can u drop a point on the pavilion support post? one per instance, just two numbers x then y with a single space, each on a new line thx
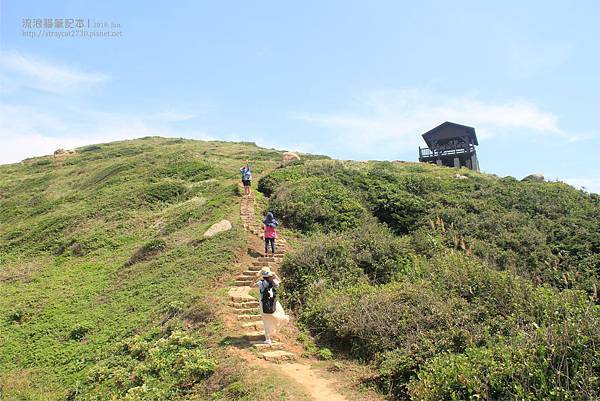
474 162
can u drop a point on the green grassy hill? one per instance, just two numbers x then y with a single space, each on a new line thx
446 288
450 286
105 283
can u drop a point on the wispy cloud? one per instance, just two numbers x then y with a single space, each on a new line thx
53 116
395 118
588 184
28 131
18 69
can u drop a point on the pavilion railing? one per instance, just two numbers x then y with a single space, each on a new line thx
429 153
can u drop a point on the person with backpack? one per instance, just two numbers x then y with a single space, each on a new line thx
246 177
271 310
270 233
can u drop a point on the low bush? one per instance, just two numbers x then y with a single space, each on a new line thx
191 170
269 183
103 175
325 354
380 254
317 205
149 250
541 366
78 332
325 262
156 366
547 232
399 209
164 192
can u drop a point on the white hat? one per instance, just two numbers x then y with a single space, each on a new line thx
266 272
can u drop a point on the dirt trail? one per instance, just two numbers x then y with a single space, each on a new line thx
246 313
311 380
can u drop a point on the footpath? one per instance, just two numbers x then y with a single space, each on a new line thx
245 308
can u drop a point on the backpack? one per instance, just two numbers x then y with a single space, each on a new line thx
247 175
268 303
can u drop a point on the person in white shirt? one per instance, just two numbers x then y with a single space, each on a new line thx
271 310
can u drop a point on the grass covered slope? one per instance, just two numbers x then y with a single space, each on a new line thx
106 288
452 288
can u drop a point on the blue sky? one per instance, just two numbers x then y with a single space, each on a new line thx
354 80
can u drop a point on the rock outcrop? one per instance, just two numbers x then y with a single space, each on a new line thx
534 177
290 156
63 152
223 225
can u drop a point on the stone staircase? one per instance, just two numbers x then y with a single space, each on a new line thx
244 305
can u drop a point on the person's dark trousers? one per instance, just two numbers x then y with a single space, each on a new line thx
272 241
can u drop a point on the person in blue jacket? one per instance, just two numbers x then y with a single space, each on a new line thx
246 178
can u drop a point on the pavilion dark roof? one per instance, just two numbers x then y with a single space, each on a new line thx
448 130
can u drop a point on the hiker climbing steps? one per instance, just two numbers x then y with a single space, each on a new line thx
244 305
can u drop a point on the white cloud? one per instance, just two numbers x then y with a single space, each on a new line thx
589 184
18 69
396 118
27 131
53 118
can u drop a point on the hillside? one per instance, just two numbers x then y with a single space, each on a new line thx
421 284
101 260
451 285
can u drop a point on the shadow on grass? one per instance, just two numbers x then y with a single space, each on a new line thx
254 253
238 342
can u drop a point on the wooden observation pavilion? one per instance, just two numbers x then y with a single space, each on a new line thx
451 145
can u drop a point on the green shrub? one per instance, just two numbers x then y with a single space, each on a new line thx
399 209
149 250
379 253
153 367
78 332
191 170
103 175
269 183
164 192
367 320
15 316
325 262
521 369
325 354
91 148
548 232
315 204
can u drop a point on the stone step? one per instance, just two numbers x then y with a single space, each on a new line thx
262 346
260 265
243 305
243 283
240 298
240 294
277 355
257 325
250 272
254 335
249 318
246 311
